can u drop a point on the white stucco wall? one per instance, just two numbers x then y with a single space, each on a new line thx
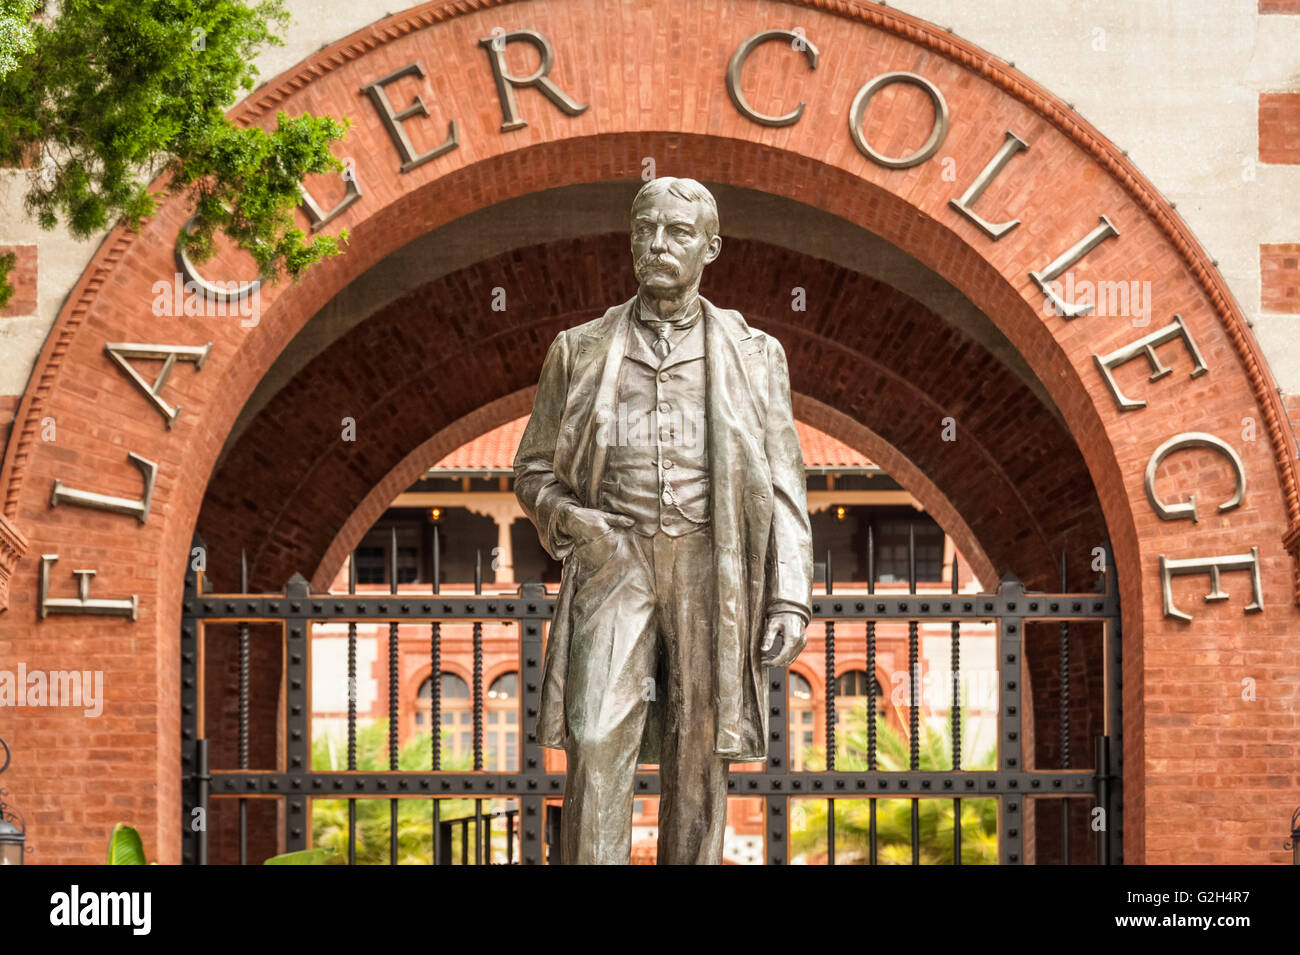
1174 82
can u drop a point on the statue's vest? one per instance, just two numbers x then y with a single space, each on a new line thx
656 466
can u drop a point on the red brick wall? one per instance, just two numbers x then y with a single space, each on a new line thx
1292 403
1279 268
1279 128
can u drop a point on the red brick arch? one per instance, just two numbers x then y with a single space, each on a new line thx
297 498
653 80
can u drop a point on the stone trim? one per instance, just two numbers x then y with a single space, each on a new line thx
13 545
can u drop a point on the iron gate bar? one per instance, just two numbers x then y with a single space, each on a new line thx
232 608
352 715
532 821
298 704
1103 799
1064 717
1011 819
913 678
1110 769
435 698
478 704
394 690
489 785
194 799
830 708
954 714
872 855
245 666
532 607
777 754
203 786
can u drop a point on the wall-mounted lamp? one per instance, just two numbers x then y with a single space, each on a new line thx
13 828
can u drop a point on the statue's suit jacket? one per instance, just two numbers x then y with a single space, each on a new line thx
762 540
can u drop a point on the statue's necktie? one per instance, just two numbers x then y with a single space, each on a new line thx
661 344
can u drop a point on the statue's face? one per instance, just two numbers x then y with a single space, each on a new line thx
669 245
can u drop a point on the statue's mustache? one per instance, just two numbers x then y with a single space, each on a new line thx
656 261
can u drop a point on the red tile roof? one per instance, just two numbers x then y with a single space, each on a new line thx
492 449
822 450
495 449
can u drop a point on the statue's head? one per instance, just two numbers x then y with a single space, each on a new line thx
674 234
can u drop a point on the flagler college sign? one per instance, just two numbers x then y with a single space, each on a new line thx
1056 263
873 116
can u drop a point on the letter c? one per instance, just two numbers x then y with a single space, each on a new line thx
737 64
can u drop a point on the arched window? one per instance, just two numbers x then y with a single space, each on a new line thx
457 714
801 718
850 698
500 720
853 683
501 736
504 687
453 688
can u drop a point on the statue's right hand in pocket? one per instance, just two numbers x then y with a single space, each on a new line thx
586 524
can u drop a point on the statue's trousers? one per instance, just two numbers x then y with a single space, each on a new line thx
642 621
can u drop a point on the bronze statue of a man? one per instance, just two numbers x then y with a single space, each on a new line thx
661 464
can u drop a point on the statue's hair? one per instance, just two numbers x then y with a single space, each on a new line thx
687 189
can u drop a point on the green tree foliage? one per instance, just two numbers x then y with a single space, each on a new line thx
414 816
7 263
894 816
15 31
112 94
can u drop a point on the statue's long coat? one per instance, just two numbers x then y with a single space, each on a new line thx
761 536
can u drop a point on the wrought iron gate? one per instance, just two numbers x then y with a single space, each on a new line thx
534 791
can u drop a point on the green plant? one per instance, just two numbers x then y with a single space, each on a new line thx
414 816
125 847
315 856
7 263
894 816
112 94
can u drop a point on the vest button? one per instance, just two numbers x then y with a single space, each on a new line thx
667 463
665 376
664 407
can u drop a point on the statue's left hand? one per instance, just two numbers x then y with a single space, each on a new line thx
784 639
